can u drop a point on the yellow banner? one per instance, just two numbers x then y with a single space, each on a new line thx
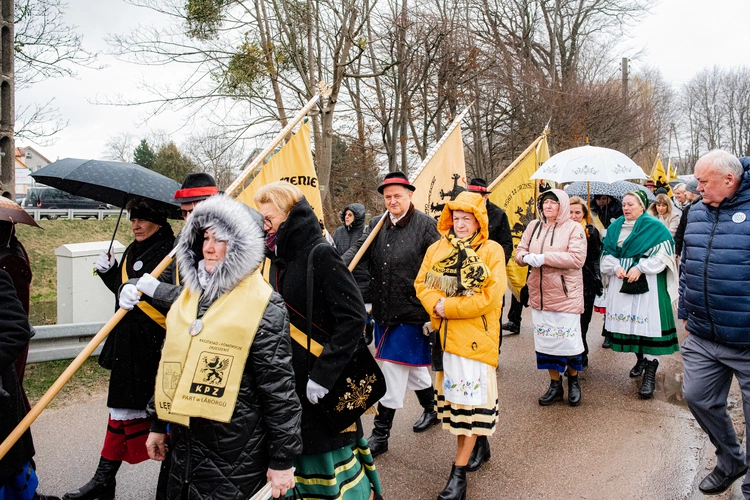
292 163
445 171
671 172
659 176
516 194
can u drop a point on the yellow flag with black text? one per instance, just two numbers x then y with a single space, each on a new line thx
437 181
292 163
659 176
516 193
671 172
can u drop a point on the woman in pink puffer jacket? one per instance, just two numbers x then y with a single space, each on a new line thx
555 248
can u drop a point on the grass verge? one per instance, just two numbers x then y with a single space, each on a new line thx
89 379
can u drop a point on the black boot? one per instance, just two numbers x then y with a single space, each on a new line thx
102 486
456 487
479 455
378 441
574 390
640 365
554 393
429 417
511 327
649 379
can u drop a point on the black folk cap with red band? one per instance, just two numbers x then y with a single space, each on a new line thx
395 179
478 185
197 187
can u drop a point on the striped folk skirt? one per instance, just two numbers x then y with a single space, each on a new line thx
468 420
347 473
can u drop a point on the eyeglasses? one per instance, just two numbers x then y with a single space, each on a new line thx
186 213
268 219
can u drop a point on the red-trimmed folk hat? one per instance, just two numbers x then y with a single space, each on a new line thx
650 183
395 178
197 187
478 185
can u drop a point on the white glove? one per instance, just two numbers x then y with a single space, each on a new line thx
534 259
104 262
129 296
426 329
147 284
526 258
315 391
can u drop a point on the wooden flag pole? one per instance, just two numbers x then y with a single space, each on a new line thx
454 124
518 160
63 379
379 225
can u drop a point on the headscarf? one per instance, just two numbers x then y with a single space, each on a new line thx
461 272
648 232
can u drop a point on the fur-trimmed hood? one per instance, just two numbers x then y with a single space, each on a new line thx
231 221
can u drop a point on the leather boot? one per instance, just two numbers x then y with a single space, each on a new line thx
429 416
649 379
378 441
574 390
640 365
511 327
479 455
554 393
102 486
456 487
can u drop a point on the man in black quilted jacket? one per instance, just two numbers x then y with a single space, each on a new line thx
401 323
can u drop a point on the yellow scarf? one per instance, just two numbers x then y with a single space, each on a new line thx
200 375
461 272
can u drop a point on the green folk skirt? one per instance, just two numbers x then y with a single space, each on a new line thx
655 346
347 473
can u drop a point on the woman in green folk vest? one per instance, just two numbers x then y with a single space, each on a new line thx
225 382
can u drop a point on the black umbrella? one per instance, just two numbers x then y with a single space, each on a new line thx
111 182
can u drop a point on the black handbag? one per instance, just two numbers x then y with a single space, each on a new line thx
361 383
637 287
436 347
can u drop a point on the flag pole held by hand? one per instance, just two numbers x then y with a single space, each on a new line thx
367 243
63 379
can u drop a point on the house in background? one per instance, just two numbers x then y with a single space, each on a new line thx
28 160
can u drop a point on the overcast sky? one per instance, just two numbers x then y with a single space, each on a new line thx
680 37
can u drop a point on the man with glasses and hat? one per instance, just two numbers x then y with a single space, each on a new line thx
401 323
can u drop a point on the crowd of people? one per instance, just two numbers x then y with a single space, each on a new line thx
225 368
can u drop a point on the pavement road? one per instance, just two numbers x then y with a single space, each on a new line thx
613 446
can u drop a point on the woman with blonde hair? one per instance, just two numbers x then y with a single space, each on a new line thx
332 464
461 285
662 210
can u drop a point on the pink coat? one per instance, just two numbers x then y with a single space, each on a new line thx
557 285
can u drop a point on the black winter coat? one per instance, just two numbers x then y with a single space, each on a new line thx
607 214
499 228
227 460
338 315
345 236
133 349
394 259
14 339
679 235
592 277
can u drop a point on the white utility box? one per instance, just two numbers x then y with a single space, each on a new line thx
82 296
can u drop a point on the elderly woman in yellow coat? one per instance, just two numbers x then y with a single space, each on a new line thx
461 284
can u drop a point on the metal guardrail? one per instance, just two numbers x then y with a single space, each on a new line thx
48 213
54 342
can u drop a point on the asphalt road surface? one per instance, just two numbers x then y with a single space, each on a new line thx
614 445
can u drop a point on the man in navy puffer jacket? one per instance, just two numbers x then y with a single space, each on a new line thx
715 307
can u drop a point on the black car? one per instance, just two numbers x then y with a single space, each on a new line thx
51 198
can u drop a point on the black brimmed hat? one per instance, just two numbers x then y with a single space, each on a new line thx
197 187
478 185
395 178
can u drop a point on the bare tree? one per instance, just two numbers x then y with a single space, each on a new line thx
119 147
214 155
45 47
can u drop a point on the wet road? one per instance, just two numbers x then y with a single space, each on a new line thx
612 446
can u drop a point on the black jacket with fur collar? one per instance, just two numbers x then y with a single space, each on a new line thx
229 460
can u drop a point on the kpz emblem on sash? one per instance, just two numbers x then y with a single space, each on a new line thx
211 374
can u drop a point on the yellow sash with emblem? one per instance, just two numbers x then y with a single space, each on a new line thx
199 375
